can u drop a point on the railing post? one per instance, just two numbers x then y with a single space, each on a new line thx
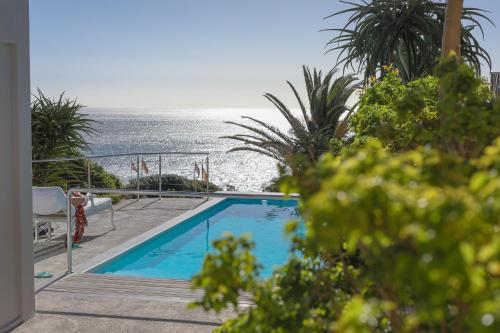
208 171
138 168
159 174
69 240
89 184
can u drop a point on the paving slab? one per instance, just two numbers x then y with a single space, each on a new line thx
64 312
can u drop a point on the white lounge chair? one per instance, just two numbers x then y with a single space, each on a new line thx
50 205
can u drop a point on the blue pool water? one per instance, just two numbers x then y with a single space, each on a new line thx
179 252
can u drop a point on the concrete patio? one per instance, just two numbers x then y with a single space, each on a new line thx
93 303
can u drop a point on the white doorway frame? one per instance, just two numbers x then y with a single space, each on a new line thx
16 246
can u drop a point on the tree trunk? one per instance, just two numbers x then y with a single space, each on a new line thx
452 27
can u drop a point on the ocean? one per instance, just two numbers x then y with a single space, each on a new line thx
199 130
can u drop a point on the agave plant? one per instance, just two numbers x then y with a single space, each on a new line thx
324 119
407 34
58 128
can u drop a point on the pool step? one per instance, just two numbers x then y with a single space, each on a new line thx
169 290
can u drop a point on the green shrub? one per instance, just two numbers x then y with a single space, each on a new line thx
391 246
382 114
429 242
69 174
404 117
173 183
115 198
469 117
273 185
397 239
101 178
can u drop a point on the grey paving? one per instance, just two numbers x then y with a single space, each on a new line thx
65 312
61 310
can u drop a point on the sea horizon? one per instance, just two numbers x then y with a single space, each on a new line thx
148 130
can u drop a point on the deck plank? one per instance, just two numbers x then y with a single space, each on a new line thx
131 287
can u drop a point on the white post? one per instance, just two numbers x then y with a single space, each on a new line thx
159 174
138 166
88 174
208 172
69 239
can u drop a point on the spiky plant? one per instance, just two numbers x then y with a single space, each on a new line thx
58 128
406 33
323 119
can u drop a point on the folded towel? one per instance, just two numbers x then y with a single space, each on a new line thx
44 275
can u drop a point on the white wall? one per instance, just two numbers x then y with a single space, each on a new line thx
16 253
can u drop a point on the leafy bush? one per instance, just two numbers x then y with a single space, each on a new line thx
404 117
173 183
396 241
425 233
394 244
273 185
382 115
469 117
73 174
102 178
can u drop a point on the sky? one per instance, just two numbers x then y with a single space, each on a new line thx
187 54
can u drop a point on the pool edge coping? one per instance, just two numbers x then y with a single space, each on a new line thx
116 251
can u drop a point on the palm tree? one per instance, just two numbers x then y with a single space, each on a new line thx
323 119
407 34
452 27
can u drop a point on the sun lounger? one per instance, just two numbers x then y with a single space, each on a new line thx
50 205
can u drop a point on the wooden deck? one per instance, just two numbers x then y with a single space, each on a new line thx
168 290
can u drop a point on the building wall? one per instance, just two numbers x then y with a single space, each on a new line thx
16 252
495 83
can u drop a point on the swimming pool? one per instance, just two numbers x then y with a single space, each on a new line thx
178 252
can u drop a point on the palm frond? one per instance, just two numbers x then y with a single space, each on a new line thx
310 136
404 33
58 127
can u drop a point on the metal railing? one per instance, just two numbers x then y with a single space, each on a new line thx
137 165
236 195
